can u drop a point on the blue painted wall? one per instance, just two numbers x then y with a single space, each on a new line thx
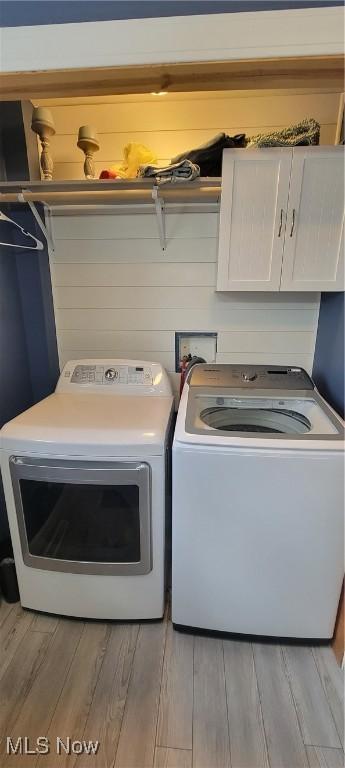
37 311
329 364
15 386
28 349
25 12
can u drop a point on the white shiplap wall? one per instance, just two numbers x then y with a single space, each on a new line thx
173 123
117 294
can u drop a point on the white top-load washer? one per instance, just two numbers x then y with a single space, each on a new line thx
258 503
85 480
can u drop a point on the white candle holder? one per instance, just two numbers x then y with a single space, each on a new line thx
42 123
88 143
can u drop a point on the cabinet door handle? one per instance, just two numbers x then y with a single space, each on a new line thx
293 222
281 222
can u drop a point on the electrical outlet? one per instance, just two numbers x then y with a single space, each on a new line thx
195 344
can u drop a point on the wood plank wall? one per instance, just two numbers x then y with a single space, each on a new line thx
173 123
118 294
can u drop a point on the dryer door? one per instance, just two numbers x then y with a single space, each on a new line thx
83 517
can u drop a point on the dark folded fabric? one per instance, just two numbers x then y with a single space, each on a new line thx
209 156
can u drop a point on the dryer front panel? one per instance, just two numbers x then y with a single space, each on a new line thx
83 517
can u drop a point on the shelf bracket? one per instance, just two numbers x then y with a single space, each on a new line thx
39 220
160 213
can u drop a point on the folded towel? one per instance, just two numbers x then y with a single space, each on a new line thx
183 171
302 134
209 156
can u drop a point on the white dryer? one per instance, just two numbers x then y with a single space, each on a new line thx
85 480
258 504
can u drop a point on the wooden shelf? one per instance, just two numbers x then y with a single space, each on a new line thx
142 193
281 72
109 191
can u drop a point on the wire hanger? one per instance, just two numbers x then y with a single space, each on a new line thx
39 245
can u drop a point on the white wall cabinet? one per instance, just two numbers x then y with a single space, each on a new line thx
281 224
314 245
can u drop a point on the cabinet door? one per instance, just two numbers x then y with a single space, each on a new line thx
314 245
255 186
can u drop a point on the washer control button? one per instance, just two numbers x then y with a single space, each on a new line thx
249 376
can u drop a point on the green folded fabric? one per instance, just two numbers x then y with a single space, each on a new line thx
302 134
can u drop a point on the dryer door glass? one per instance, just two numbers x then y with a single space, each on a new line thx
82 518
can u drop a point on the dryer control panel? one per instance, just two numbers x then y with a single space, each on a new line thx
114 377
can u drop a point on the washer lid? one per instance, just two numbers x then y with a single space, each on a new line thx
247 418
220 414
91 425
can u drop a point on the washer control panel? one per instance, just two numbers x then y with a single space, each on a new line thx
250 376
111 375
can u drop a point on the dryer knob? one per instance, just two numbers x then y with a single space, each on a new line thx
249 376
111 374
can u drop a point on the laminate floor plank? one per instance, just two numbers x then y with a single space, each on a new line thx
105 716
323 757
39 704
139 725
5 609
247 737
210 719
172 758
130 688
12 631
315 717
44 622
332 678
18 679
74 704
283 736
175 720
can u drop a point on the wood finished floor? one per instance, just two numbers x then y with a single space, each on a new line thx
156 698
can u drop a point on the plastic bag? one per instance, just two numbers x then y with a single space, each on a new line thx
134 155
